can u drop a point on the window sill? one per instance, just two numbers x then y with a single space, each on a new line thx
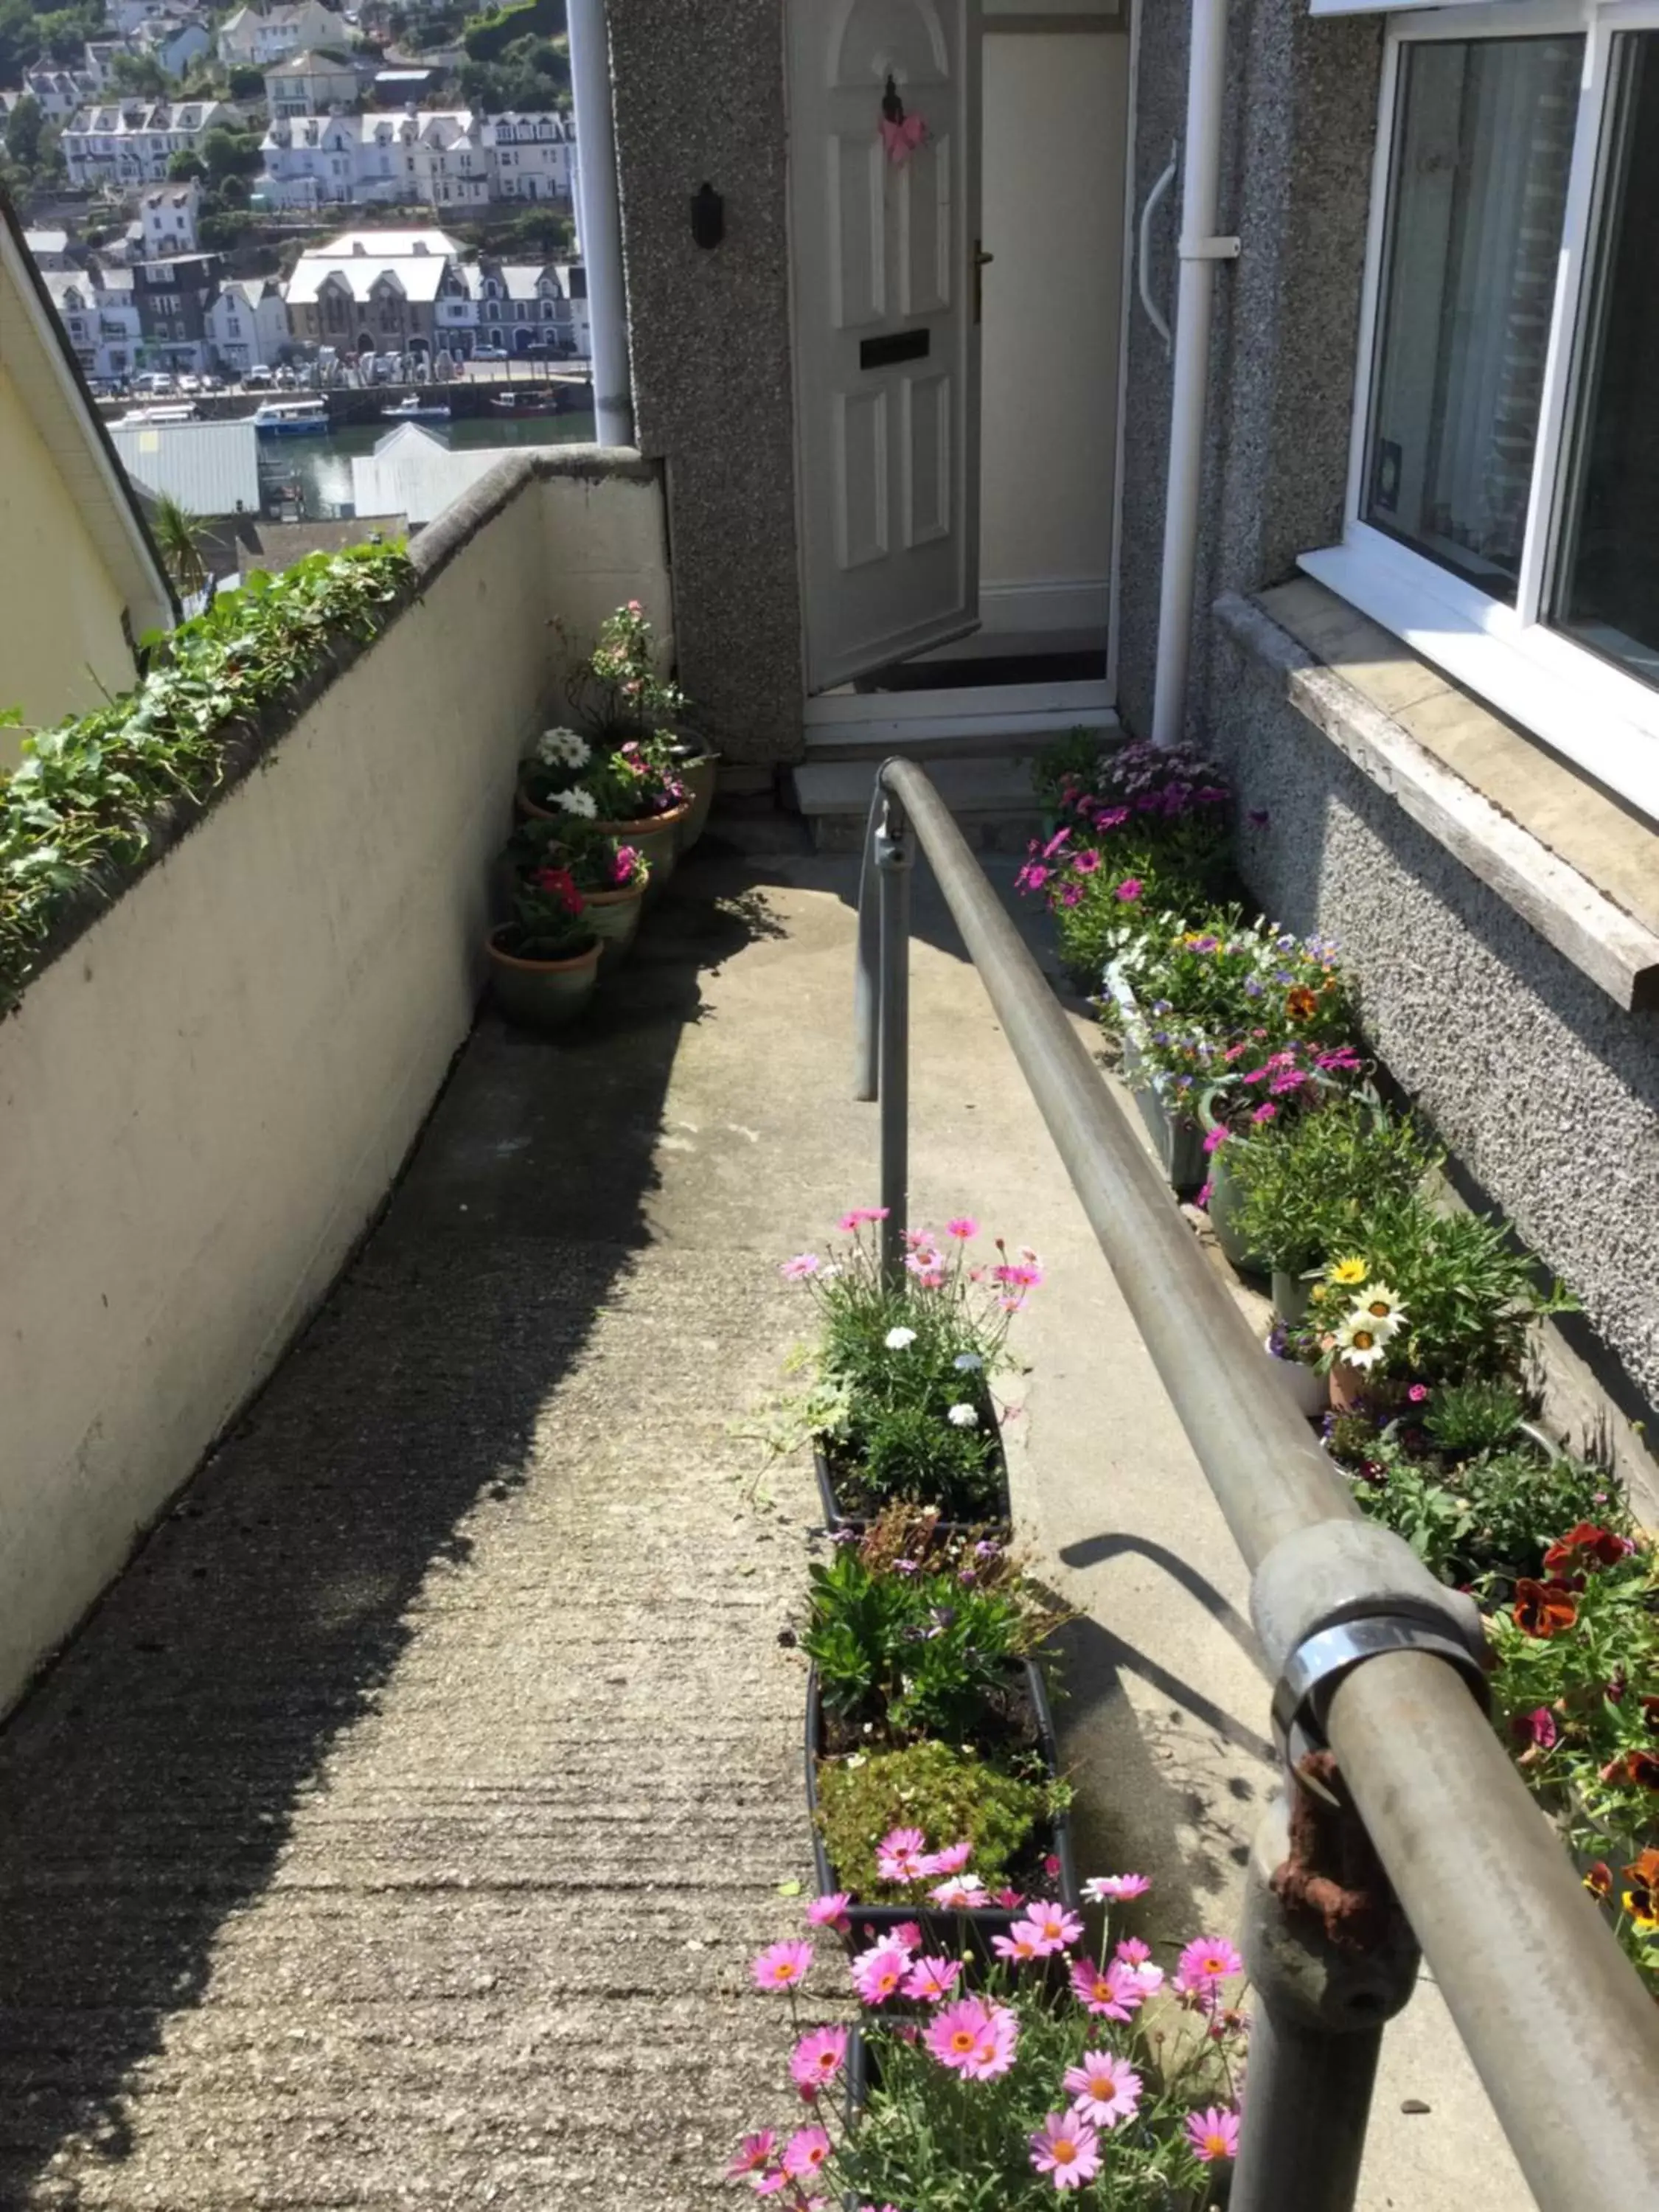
1572 862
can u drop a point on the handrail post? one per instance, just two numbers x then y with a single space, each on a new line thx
892 860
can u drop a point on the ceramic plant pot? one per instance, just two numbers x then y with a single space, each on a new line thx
1177 1139
1292 1295
1225 1203
615 918
698 775
1309 1390
542 994
657 837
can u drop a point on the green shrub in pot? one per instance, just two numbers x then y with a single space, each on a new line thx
1307 1186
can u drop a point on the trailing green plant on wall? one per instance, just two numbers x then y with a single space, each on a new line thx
80 809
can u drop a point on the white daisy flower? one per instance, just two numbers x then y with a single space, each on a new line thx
967 1362
577 802
563 748
963 1417
897 1338
1360 1344
1379 1308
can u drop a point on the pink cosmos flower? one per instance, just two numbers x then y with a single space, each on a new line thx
798 1269
830 1912
953 1858
1110 1992
1205 1963
1105 2090
1129 890
754 2155
782 1965
807 2150
1067 2149
960 1894
1115 1889
817 2059
1056 1926
974 2038
879 1974
1214 2133
932 1980
962 1227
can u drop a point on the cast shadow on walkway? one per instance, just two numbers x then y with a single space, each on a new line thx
148 1783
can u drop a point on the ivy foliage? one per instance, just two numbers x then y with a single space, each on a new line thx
81 809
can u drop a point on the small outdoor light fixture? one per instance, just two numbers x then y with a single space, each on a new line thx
707 218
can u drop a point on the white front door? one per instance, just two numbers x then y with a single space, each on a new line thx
884 235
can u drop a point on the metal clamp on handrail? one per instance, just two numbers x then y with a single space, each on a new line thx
1367 1650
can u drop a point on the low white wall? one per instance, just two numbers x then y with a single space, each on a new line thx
204 1100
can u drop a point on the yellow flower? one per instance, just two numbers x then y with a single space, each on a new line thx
1348 1271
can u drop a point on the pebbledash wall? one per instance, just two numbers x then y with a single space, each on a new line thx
194 1132
1544 1086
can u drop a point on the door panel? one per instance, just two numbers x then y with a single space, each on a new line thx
886 343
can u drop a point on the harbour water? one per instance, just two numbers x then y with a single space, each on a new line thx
322 466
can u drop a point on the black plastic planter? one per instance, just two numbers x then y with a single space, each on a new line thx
998 1525
944 1929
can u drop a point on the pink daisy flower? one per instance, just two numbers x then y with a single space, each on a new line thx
1010 1899
1129 890
754 2155
1214 2133
1132 1951
1067 2149
817 2059
974 2038
830 1912
1115 1889
933 1980
798 1269
879 1974
1205 1963
1104 2089
908 1936
962 1228
782 1965
1058 1928
807 2150
1111 1992
953 1858
901 1856
1086 863
1019 1944
960 1894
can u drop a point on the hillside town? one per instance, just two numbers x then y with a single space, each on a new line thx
184 176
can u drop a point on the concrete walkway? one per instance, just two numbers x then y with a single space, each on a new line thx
398 1831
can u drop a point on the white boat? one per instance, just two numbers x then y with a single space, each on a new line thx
182 412
291 418
412 409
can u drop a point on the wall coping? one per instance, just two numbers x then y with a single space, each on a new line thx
1616 949
247 744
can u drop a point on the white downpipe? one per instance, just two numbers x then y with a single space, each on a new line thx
1200 250
601 221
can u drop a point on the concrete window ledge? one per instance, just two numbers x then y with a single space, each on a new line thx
1572 862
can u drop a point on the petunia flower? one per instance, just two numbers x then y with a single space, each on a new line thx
1067 2148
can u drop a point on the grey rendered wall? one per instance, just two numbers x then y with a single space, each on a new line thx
1546 1093
700 96
1301 125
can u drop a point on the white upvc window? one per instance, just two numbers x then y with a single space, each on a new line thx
1503 506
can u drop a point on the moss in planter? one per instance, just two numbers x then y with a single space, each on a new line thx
949 1794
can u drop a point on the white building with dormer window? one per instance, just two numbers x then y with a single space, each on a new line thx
254 38
448 158
533 157
128 143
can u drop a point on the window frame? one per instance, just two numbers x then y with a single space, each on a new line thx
1581 705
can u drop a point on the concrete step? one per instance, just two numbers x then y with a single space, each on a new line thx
990 794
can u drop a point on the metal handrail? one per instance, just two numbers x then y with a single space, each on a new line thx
1558 2026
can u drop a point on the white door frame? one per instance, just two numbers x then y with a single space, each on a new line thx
832 719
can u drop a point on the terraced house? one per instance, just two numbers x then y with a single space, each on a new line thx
126 144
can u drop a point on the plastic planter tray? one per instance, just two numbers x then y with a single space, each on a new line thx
998 1524
945 1930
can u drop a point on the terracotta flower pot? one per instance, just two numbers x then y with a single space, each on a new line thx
656 836
614 916
542 994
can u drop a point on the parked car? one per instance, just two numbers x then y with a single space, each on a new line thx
257 380
154 383
488 353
